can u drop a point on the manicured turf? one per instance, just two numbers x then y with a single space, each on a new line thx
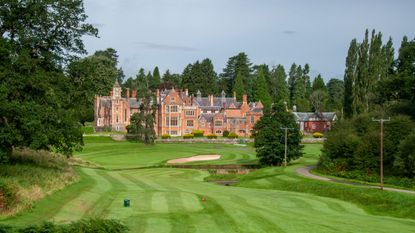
177 200
115 155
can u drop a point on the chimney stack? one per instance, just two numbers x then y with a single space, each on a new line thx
110 93
210 100
244 99
127 90
134 94
234 95
187 92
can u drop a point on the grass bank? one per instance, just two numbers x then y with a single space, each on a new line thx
30 176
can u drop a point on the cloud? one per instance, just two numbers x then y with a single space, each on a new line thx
289 32
150 45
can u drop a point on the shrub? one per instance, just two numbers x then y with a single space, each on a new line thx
211 136
165 136
8 194
188 136
317 135
232 135
225 133
88 130
197 133
81 226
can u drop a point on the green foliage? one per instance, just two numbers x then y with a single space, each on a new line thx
198 133
8 194
200 76
188 136
142 123
299 86
261 89
405 158
318 135
93 225
211 136
36 105
335 89
270 138
368 65
88 129
239 87
278 86
165 136
225 133
232 135
353 145
238 65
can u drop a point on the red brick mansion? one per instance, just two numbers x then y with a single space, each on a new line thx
180 113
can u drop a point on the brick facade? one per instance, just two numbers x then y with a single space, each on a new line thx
180 113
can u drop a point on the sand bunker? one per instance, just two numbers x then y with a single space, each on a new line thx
195 158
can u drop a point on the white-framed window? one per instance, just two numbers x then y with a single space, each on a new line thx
313 125
174 121
218 132
189 123
172 132
252 120
172 108
167 121
218 123
190 112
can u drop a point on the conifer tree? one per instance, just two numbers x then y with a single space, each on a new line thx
278 85
261 90
156 80
238 87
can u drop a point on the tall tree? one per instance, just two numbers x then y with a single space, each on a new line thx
335 89
239 87
238 64
36 39
278 85
350 77
111 54
261 90
93 75
156 80
270 138
318 84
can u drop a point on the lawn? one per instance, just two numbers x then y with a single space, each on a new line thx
178 200
115 155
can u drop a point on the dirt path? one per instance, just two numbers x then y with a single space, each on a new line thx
305 171
194 158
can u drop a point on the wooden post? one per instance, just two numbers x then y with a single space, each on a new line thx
381 148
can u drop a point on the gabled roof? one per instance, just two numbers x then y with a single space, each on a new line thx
306 116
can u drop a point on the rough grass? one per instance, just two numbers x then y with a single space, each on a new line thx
178 200
30 176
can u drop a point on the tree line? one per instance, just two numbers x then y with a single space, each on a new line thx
258 82
377 85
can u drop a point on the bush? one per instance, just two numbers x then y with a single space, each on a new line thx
225 133
211 136
165 136
81 226
317 135
232 135
188 136
198 133
8 194
88 130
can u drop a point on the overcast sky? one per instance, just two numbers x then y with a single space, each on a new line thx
173 33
